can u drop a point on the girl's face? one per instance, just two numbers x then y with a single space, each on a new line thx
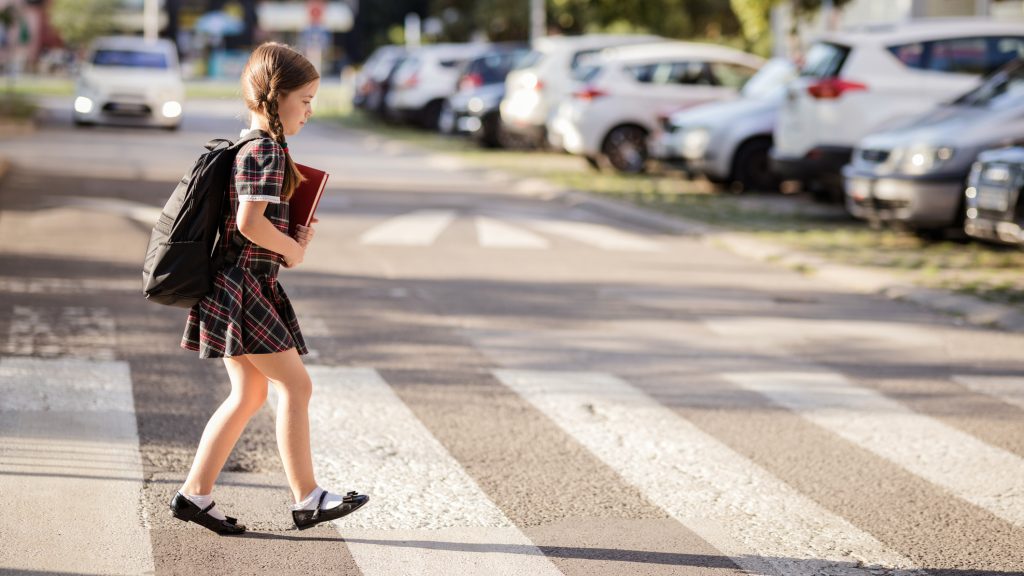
295 108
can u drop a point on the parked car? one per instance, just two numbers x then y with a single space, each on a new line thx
857 82
543 78
616 105
728 142
916 174
473 110
130 80
425 78
368 93
995 210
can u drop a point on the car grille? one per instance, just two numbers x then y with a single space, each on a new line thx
127 109
874 156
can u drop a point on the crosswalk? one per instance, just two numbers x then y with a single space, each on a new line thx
423 228
68 424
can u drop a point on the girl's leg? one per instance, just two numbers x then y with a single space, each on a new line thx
248 393
286 371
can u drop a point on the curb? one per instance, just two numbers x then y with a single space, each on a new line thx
968 309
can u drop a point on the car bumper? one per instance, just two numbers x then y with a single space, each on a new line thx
993 230
823 161
915 201
103 110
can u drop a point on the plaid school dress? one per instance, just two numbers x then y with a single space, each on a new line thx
247 312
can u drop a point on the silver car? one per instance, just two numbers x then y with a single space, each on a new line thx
916 174
728 142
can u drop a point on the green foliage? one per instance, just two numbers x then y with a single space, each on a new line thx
15 105
79 21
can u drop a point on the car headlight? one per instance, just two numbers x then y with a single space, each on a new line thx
924 159
171 109
83 105
695 141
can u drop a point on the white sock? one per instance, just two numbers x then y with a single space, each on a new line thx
309 502
203 502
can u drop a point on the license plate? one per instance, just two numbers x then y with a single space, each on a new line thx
992 198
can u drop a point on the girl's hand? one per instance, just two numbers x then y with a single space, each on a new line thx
304 234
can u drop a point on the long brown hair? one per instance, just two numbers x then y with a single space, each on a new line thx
272 72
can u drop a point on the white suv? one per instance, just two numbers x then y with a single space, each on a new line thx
426 77
621 101
127 79
545 76
857 82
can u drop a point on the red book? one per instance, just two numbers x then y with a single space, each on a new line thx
307 194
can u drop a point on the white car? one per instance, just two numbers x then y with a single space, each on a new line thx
368 93
427 77
728 142
857 82
545 76
619 102
127 79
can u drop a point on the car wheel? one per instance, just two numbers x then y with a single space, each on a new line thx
751 168
430 115
446 119
625 149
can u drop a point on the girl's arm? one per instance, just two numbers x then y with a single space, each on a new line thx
256 227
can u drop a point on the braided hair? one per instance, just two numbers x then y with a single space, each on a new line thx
272 72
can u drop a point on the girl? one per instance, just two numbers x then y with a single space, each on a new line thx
247 319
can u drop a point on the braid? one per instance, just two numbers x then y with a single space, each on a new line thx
292 176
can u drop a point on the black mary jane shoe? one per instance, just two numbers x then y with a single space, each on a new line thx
308 518
184 509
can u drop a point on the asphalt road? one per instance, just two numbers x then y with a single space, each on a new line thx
523 387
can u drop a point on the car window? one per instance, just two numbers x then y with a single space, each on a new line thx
691 73
825 60
959 55
731 75
130 59
583 58
772 77
531 59
588 73
980 55
1004 89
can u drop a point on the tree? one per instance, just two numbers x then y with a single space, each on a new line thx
79 21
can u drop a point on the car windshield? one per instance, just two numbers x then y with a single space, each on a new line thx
769 80
130 59
531 59
1003 89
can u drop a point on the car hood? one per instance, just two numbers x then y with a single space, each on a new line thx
717 114
950 125
133 77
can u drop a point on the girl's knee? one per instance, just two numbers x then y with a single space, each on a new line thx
252 399
296 389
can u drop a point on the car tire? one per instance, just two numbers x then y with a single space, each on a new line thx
430 115
625 149
751 168
446 119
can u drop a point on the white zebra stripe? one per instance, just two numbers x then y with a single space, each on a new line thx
604 237
763 524
1006 388
426 515
926 447
419 228
496 234
68 436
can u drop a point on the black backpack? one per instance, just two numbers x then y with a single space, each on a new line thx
183 253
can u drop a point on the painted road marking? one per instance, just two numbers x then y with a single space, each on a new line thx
426 514
496 234
68 434
760 522
604 237
420 228
923 445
